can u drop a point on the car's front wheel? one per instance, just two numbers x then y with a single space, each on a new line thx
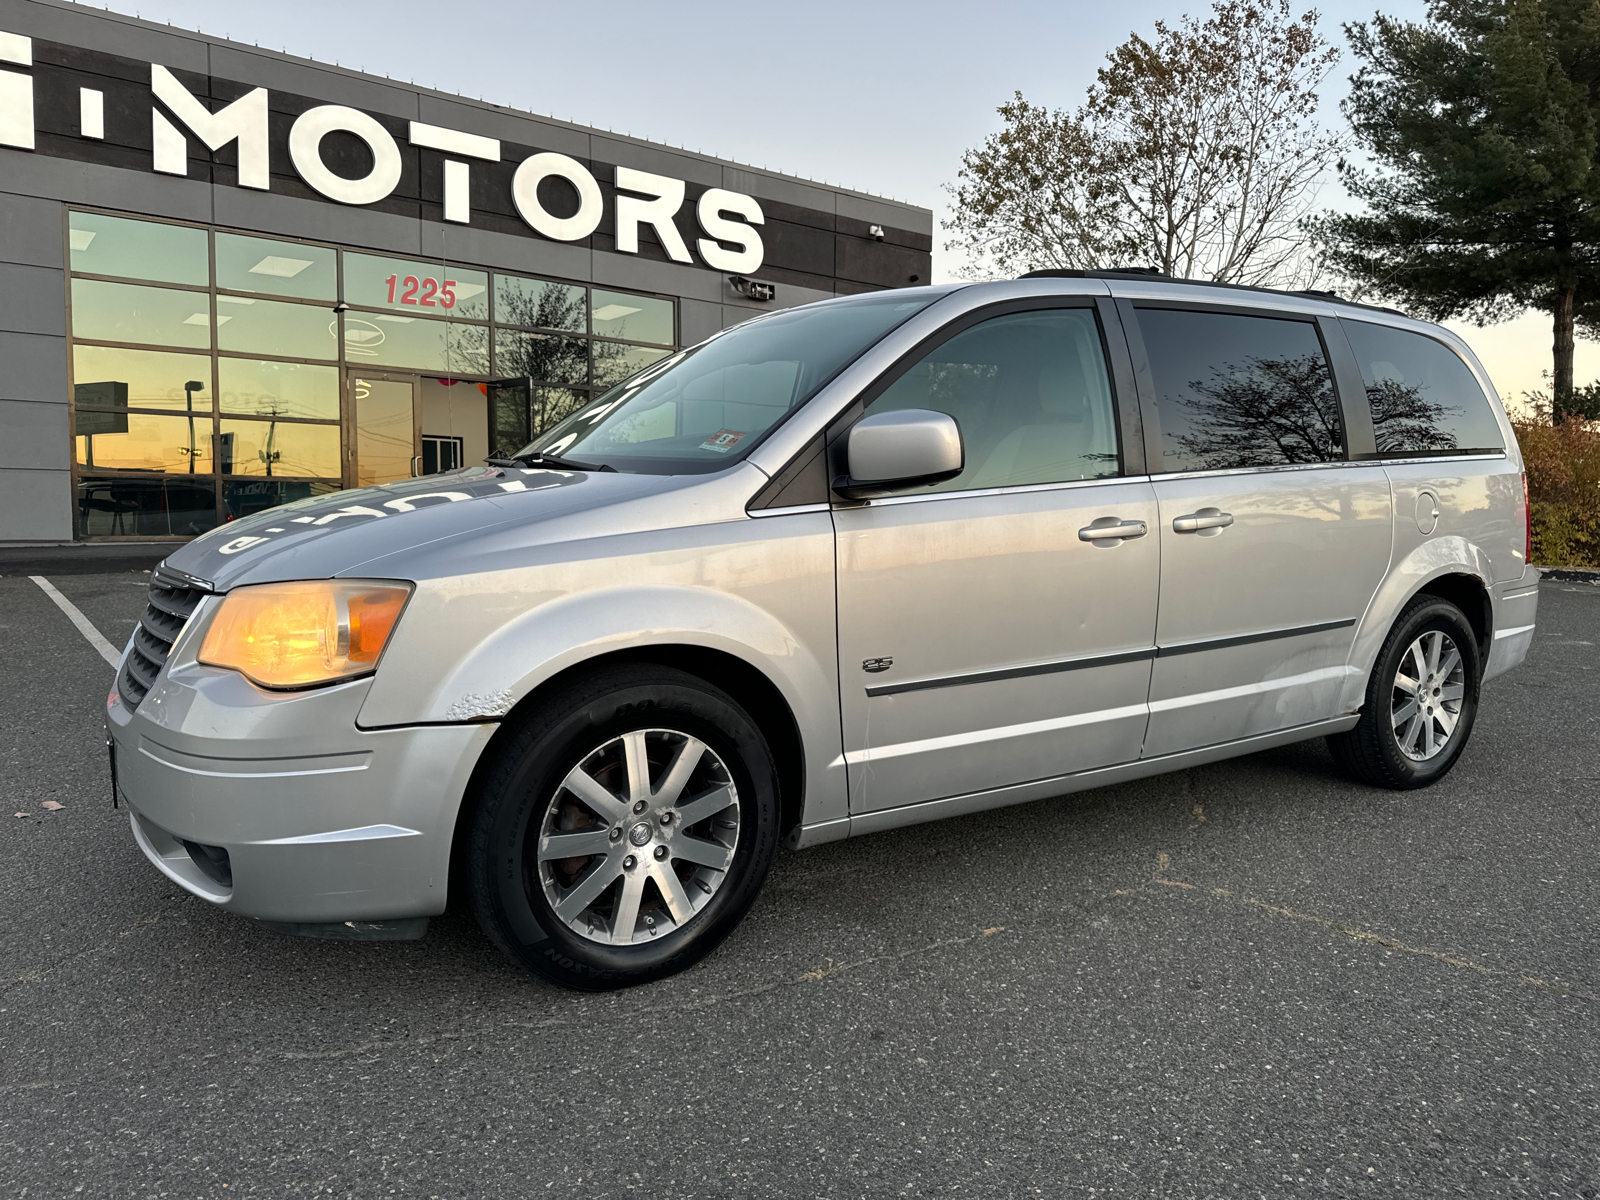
624 828
1422 699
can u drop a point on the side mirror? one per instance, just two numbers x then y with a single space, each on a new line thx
894 450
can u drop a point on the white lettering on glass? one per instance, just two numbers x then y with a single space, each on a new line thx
709 210
244 121
664 198
457 176
16 92
305 151
525 194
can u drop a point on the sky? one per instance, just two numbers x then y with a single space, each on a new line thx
881 97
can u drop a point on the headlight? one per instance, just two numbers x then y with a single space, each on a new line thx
289 635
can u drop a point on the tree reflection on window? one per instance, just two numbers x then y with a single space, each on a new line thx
1267 412
1404 421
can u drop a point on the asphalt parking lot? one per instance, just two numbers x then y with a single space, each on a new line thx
1249 979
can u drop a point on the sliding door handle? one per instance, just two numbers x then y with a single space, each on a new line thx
1110 530
1206 518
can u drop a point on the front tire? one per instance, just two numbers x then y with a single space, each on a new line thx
623 829
1421 703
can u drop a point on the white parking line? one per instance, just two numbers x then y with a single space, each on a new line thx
85 627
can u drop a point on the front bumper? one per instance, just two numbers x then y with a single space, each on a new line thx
322 822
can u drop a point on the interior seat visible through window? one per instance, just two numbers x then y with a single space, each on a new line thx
1030 394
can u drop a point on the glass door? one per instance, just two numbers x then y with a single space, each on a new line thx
510 403
386 419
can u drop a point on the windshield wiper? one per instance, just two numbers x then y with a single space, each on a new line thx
548 460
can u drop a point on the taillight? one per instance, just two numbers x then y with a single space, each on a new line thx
1527 522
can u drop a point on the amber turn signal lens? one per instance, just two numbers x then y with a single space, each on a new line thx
289 635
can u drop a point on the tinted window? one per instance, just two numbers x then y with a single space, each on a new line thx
1029 391
1423 398
1236 391
703 409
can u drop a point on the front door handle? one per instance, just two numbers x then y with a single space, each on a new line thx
1206 518
1108 531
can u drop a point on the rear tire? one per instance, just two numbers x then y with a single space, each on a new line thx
1421 703
623 829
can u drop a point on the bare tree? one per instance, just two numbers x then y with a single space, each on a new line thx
1197 153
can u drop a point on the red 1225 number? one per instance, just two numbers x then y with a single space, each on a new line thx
428 293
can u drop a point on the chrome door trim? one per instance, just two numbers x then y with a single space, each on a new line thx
1278 468
787 510
1061 785
994 733
1112 659
1483 456
1016 490
1304 679
1244 639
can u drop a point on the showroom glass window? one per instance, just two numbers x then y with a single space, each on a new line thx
208 365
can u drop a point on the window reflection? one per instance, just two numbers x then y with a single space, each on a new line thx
614 362
273 327
122 312
113 377
251 264
276 389
141 442
131 507
1238 391
102 245
394 341
635 318
1423 398
1029 391
240 498
538 302
412 286
278 448
547 357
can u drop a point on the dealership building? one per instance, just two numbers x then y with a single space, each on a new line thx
230 278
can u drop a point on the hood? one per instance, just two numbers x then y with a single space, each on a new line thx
334 534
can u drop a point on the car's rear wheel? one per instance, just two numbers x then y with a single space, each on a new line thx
1421 702
623 829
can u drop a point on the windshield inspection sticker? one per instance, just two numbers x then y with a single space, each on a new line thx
723 440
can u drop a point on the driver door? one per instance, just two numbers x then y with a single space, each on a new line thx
984 640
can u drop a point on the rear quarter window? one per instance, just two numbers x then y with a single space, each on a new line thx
1424 399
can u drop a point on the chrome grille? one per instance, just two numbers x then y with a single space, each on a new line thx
173 598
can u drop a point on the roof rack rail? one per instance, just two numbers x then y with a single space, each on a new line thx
1152 274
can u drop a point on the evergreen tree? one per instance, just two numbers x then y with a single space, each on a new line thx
1483 122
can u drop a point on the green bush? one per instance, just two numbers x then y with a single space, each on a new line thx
1562 459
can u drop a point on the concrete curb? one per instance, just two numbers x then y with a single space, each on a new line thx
95 558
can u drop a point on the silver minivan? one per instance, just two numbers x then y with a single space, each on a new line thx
845 567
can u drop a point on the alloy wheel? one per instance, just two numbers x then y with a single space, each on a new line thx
1429 688
638 838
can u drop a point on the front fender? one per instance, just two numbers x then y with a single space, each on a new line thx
1431 560
469 648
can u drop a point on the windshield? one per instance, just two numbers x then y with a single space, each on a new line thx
705 408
